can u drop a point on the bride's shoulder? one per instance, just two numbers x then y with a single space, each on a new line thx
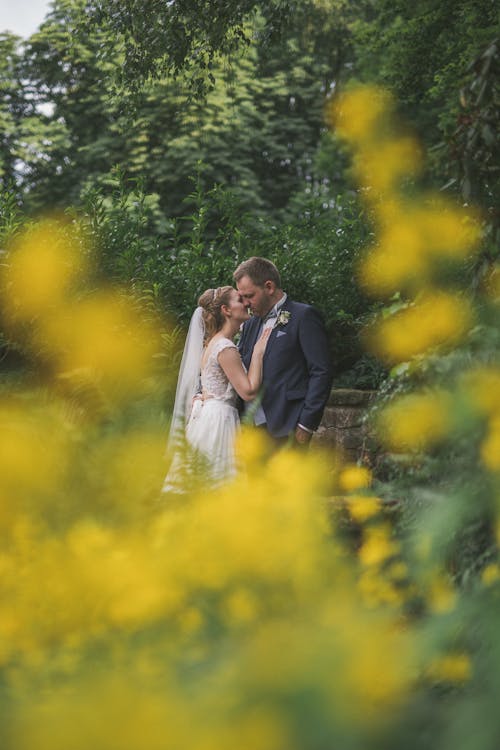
225 343
220 344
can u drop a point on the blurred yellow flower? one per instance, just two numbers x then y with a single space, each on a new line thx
43 267
381 165
380 676
356 114
448 231
490 574
34 454
133 466
416 421
410 240
241 607
190 621
437 319
378 545
117 712
441 596
398 571
354 478
363 507
378 589
103 335
452 668
490 447
482 387
251 446
397 261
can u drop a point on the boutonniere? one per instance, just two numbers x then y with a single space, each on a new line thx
283 318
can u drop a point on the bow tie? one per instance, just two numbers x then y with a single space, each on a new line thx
273 313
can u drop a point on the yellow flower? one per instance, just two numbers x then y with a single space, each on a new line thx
355 478
448 232
377 589
363 507
252 446
102 335
383 164
438 319
378 669
410 239
34 453
241 607
133 466
490 574
190 621
42 269
416 421
441 594
119 712
399 259
482 386
452 668
490 447
357 113
398 571
377 545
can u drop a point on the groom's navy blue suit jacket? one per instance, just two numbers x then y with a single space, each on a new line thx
297 373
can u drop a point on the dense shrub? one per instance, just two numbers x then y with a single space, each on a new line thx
317 255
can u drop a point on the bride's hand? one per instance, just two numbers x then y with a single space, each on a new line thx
260 346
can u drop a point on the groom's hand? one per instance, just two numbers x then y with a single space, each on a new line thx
302 437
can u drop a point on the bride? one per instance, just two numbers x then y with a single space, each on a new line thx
211 377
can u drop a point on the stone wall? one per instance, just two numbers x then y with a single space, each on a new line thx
343 426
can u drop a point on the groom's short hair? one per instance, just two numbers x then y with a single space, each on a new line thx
258 270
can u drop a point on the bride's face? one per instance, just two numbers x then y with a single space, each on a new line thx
238 308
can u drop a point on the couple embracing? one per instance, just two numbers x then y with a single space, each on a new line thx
280 369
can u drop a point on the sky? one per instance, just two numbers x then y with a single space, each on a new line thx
22 17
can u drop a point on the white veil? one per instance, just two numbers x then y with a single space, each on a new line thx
188 383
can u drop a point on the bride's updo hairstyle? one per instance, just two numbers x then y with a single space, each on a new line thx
211 301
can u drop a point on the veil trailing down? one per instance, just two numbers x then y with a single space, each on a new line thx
188 383
188 387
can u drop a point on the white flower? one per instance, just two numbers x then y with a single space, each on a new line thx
283 318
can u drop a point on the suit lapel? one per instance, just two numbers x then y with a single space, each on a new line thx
254 325
275 330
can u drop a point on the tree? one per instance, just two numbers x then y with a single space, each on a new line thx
186 35
421 51
12 105
255 131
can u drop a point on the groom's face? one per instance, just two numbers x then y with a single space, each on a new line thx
258 298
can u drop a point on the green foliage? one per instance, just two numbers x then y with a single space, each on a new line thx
234 94
11 221
11 105
317 255
441 61
474 153
256 130
11 215
421 51
184 36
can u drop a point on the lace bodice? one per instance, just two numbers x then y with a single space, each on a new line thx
214 381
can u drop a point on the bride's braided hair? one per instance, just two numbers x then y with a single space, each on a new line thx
211 301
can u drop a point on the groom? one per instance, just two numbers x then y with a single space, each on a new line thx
297 372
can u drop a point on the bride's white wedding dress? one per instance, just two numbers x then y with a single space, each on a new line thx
211 427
